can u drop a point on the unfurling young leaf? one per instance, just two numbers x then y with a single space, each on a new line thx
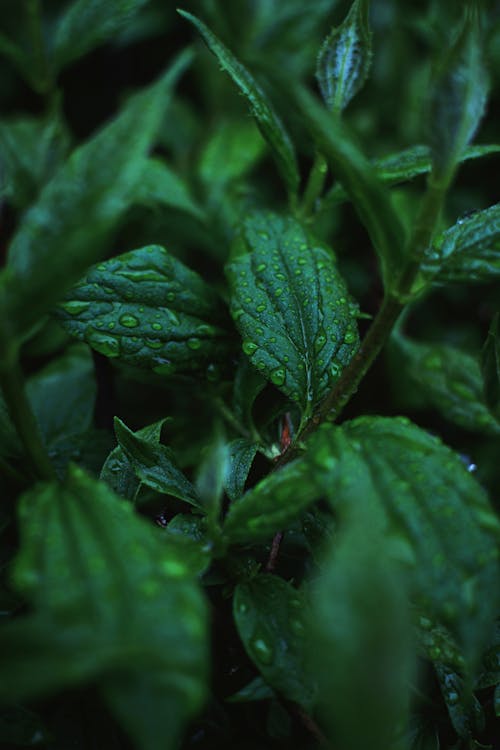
241 455
155 465
268 121
467 252
345 57
147 309
115 603
490 365
458 99
439 523
271 621
291 307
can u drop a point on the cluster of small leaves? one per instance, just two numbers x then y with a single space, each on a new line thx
180 326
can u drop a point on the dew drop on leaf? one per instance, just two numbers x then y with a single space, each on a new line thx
278 376
104 344
129 321
249 347
193 343
75 307
262 651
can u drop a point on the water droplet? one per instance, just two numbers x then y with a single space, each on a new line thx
75 307
213 372
262 267
164 367
248 300
278 292
350 337
104 344
262 651
302 261
249 347
280 276
452 697
129 321
278 376
153 343
263 235
260 308
242 607
111 324
193 343
335 369
320 340
238 313
297 627
170 296
156 326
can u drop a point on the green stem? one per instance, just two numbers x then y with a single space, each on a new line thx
379 332
12 384
41 77
315 184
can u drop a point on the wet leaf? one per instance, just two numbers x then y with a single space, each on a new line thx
154 464
149 310
241 455
268 121
458 98
447 379
269 616
344 59
467 252
271 505
109 591
66 229
439 523
291 306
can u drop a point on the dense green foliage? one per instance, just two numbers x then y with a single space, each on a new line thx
250 375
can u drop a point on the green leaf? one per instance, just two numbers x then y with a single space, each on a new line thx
31 150
436 643
439 523
463 708
149 310
490 366
271 505
360 181
111 592
291 307
230 153
73 375
458 99
211 474
88 23
241 455
155 465
66 229
161 186
118 471
268 121
248 383
405 165
270 617
447 379
256 690
344 59
467 252
359 636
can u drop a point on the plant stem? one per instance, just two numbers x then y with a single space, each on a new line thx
315 184
12 383
41 79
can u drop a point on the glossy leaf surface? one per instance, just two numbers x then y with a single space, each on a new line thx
241 455
271 505
154 464
148 309
469 251
270 617
291 307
